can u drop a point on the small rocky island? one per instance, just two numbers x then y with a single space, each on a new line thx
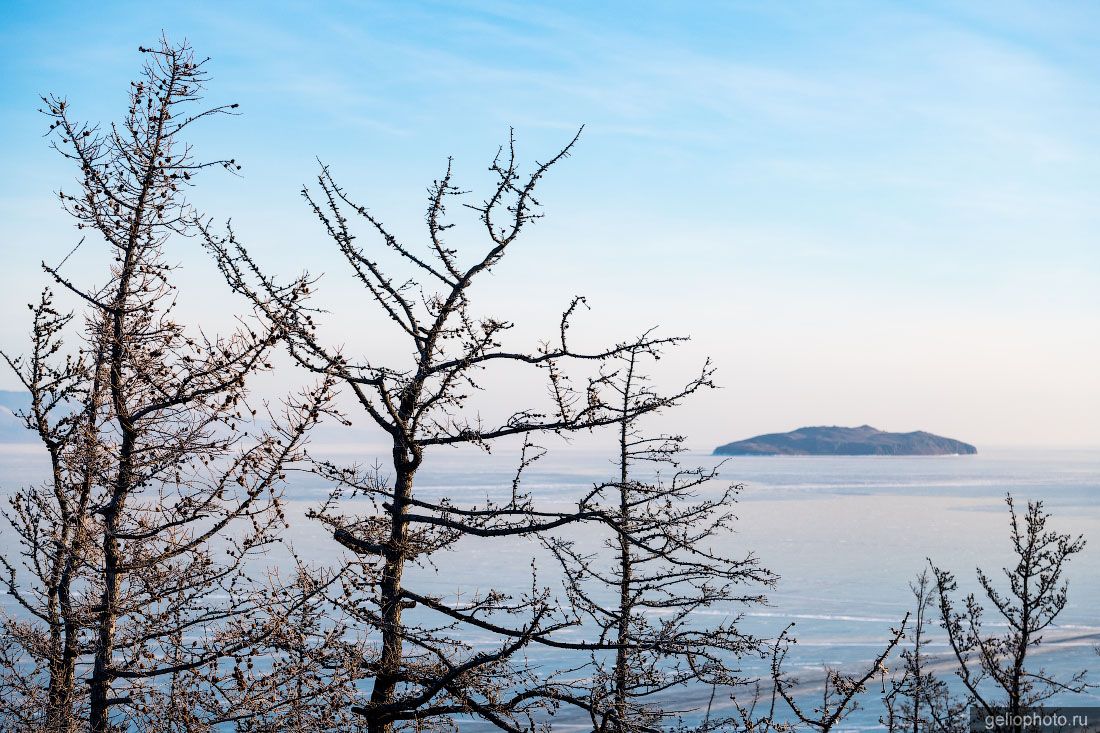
836 441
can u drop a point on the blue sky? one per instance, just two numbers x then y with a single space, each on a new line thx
873 212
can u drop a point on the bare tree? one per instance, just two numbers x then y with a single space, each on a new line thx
51 523
164 481
839 691
994 668
641 600
785 704
423 674
917 700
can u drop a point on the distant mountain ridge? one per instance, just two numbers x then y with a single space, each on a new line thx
12 429
838 441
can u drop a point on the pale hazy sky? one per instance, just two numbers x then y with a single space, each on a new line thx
880 213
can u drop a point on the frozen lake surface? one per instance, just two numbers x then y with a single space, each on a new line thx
846 535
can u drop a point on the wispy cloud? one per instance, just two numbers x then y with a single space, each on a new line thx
798 174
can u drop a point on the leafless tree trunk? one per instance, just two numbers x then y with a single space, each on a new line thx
660 532
424 673
917 700
134 554
993 668
51 524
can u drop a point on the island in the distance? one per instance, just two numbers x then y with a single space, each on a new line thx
836 441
